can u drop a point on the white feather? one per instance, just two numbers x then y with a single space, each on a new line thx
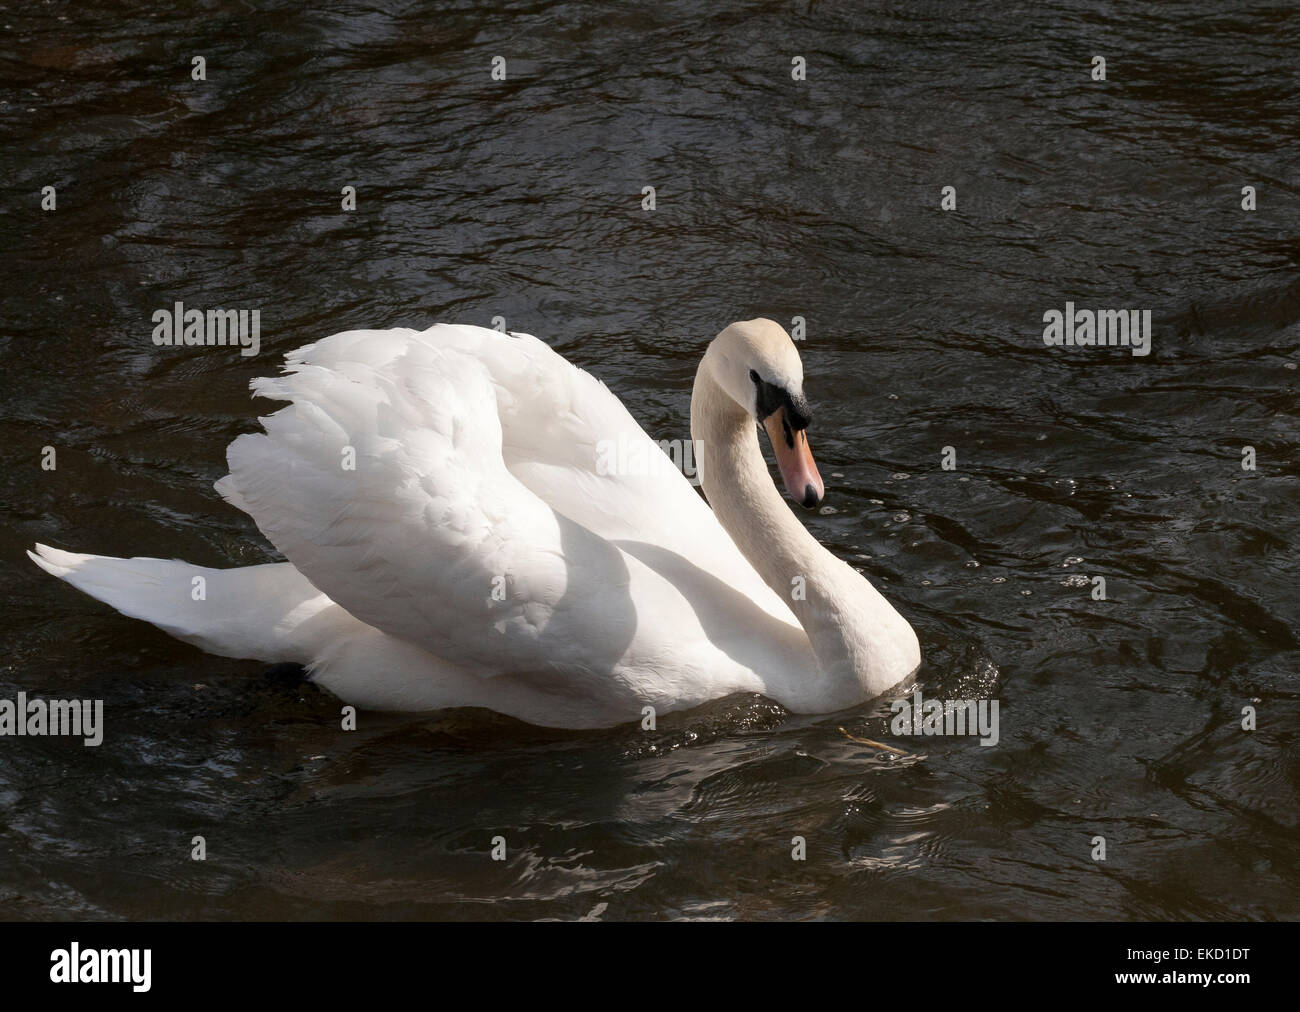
475 470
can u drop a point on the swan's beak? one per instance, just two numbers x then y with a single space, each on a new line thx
794 458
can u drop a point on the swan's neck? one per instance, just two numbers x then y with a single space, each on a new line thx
862 645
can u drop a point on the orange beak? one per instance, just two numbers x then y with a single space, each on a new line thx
794 458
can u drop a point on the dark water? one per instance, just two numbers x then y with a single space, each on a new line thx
522 199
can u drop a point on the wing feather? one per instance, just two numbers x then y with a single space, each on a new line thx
383 482
442 486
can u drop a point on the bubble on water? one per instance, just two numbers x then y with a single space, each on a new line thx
827 510
926 583
972 564
1075 580
963 478
902 518
999 579
1072 560
876 502
900 475
1026 593
836 474
867 557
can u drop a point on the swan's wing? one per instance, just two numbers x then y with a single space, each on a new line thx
575 445
569 439
384 483
561 430
564 435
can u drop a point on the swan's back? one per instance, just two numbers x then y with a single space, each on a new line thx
442 486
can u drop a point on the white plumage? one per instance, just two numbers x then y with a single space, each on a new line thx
452 542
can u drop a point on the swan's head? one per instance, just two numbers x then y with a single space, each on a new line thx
756 364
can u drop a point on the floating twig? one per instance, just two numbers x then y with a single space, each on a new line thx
873 744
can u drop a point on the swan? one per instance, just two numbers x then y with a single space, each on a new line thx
451 540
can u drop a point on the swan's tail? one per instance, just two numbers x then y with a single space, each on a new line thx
258 612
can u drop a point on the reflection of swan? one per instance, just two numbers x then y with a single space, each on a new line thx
453 541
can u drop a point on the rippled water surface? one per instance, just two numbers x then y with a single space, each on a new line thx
522 199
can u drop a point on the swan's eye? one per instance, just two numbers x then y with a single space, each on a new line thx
771 397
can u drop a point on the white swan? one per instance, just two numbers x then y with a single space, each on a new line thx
476 555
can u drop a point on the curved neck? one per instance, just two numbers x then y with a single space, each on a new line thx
862 645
